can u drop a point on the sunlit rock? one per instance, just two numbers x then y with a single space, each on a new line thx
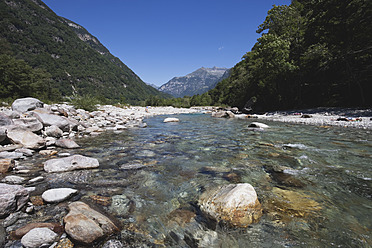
258 125
74 162
26 104
86 225
171 119
236 204
38 237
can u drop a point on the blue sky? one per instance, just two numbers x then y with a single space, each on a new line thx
161 39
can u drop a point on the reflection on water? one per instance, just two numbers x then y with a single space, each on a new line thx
314 183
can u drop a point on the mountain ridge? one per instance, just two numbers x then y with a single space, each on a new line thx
77 61
196 82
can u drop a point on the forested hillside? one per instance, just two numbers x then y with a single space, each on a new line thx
44 55
310 54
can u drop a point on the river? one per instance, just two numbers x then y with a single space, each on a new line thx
314 183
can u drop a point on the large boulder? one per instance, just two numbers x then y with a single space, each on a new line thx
32 124
235 204
12 198
38 237
86 225
56 120
5 120
26 138
26 104
74 162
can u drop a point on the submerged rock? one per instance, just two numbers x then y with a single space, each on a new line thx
287 204
74 162
86 225
236 204
121 204
12 198
113 243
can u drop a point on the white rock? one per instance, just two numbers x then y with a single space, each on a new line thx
27 138
57 195
241 116
26 104
171 119
74 162
38 237
36 179
53 131
50 120
13 180
258 125
31 124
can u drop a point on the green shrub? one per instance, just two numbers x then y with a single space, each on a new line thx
87 102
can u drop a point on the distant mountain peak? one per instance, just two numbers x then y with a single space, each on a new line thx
197 82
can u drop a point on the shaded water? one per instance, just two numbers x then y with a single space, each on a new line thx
315 184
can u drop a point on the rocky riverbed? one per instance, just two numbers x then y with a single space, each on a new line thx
30 128
45 191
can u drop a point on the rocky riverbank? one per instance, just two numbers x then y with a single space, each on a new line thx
325 117
30 128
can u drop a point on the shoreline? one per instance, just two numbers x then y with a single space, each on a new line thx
324 117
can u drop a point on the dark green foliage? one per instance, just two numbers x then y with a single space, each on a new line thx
87 102
311 53
77 61
18 79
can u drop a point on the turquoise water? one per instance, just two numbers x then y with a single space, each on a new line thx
315 183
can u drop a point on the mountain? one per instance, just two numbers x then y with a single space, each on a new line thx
197 82
76 60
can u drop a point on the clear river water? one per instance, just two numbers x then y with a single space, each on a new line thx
314 183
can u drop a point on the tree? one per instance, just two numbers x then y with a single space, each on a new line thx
18 79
